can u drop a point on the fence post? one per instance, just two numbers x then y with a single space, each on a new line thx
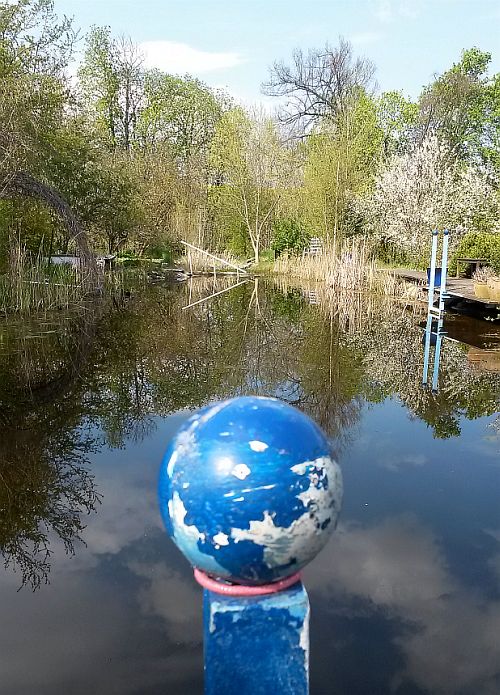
249 493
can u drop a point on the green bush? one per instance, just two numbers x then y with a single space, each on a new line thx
478 245
289 235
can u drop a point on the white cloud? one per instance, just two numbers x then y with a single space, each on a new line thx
389 10
396 463
168 594
180 58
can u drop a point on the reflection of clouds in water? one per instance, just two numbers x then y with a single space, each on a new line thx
129 511
451 644
83 633
494 561
167 594
125 513
42 646
393 463
127 483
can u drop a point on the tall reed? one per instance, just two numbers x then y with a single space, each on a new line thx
351 269
30 285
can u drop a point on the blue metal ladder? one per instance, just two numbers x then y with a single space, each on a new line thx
435 313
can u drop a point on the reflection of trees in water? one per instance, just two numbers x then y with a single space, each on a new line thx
45 484
45 488
394 360
114 371
389 338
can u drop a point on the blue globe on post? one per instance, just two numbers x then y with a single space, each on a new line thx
249 491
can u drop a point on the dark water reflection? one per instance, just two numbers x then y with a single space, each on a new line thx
405 598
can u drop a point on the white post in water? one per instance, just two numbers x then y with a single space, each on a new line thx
249 493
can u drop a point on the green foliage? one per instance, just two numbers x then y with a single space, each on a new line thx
397 117
180 111
288 304
462 106
111 86
341 162
289 235
231 232
478 245
145 158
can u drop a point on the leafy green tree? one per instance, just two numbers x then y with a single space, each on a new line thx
111 86
462 108
115 205
397 117
248 156
342 160
181 112
289 235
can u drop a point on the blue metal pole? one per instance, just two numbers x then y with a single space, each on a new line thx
257 645
427 349
430 306
437 358
442 294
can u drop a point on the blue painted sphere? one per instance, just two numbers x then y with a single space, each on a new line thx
249 491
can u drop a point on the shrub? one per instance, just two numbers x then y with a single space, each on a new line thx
478 245
289 235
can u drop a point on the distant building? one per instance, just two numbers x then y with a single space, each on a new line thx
104 262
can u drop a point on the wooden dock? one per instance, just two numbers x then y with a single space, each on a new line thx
462 288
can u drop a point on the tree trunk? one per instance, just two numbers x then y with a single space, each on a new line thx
22 183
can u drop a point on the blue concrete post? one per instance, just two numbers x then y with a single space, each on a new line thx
257 645
249 493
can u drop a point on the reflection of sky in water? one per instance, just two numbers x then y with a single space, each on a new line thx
405 597
411 579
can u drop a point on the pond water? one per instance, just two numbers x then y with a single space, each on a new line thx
96 599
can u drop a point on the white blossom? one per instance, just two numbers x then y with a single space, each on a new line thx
426 189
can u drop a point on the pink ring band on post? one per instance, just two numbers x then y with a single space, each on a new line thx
219 587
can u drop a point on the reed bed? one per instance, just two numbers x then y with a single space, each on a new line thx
30 285
352 269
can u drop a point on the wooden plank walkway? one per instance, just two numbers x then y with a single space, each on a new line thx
455 287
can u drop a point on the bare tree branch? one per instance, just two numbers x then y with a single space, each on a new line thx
318 84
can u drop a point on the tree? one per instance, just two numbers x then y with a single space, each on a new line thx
252 164
398 118
289 235
115 204
111 85
341 163
158 192
181 112
462 108
318 84
34 51
424 189
33 40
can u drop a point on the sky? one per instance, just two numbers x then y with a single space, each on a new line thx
232 43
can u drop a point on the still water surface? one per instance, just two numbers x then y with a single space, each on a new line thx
406 596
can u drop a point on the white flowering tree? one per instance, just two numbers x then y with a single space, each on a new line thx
424 189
